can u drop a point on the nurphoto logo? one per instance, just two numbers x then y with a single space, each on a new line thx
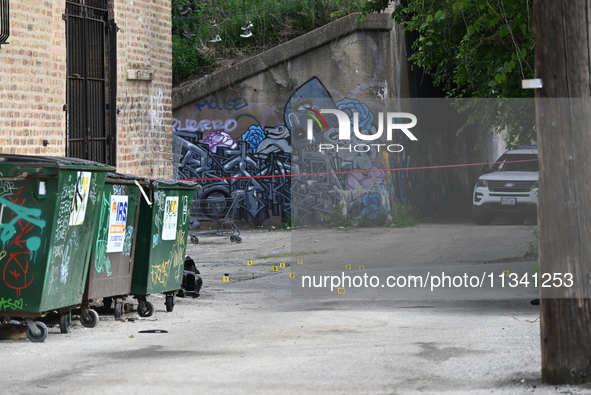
393 121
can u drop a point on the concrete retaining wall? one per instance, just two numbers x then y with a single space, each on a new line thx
250 120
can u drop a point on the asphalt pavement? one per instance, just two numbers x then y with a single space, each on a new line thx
256 330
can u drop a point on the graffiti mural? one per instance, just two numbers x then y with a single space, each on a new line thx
228 164
259 159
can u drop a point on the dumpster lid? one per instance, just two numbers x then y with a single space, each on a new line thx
128 177
57 160
174 184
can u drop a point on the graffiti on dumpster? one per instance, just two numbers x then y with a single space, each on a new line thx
11 304
186 207
18 226
62 224
8 230
177 253
63 214
159 273
159 204
8 188
128 240
93 190
69 249
101 260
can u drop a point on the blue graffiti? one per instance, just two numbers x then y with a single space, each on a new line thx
253 136
355 106
375 201
8 230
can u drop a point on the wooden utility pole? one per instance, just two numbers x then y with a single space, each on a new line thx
563 119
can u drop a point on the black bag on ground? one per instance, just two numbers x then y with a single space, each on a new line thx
192 281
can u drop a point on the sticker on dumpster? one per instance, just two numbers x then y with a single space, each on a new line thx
117 222
171 214
80 200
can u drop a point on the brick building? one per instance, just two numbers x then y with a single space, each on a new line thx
89 79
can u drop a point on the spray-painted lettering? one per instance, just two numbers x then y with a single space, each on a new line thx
10 304
225 104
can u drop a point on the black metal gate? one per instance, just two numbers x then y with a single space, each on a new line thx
91 81
4 21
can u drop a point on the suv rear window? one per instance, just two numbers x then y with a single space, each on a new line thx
516 164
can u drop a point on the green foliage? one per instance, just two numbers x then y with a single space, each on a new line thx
336 219
380 220
294 222
475 49
534 244
404 217
274 21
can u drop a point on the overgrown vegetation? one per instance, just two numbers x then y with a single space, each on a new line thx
367 221
293 222
534 244
404 217
336 219
475 49
197 50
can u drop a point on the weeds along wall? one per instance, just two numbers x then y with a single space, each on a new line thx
40 96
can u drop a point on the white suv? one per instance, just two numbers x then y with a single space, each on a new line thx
507 189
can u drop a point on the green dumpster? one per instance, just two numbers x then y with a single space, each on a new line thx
161 242
113 248
47 221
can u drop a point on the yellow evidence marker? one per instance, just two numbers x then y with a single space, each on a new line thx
340 291
300 261
361 267
274 268
249 263
292 275
282 265
226 279
348 267
506 273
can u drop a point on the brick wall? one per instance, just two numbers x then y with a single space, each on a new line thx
32 80
145 120
33 83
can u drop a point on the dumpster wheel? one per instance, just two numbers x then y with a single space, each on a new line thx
41 330
145 308
169 302
66 322
88 317
118 310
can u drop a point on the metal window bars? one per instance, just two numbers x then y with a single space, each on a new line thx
4 21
